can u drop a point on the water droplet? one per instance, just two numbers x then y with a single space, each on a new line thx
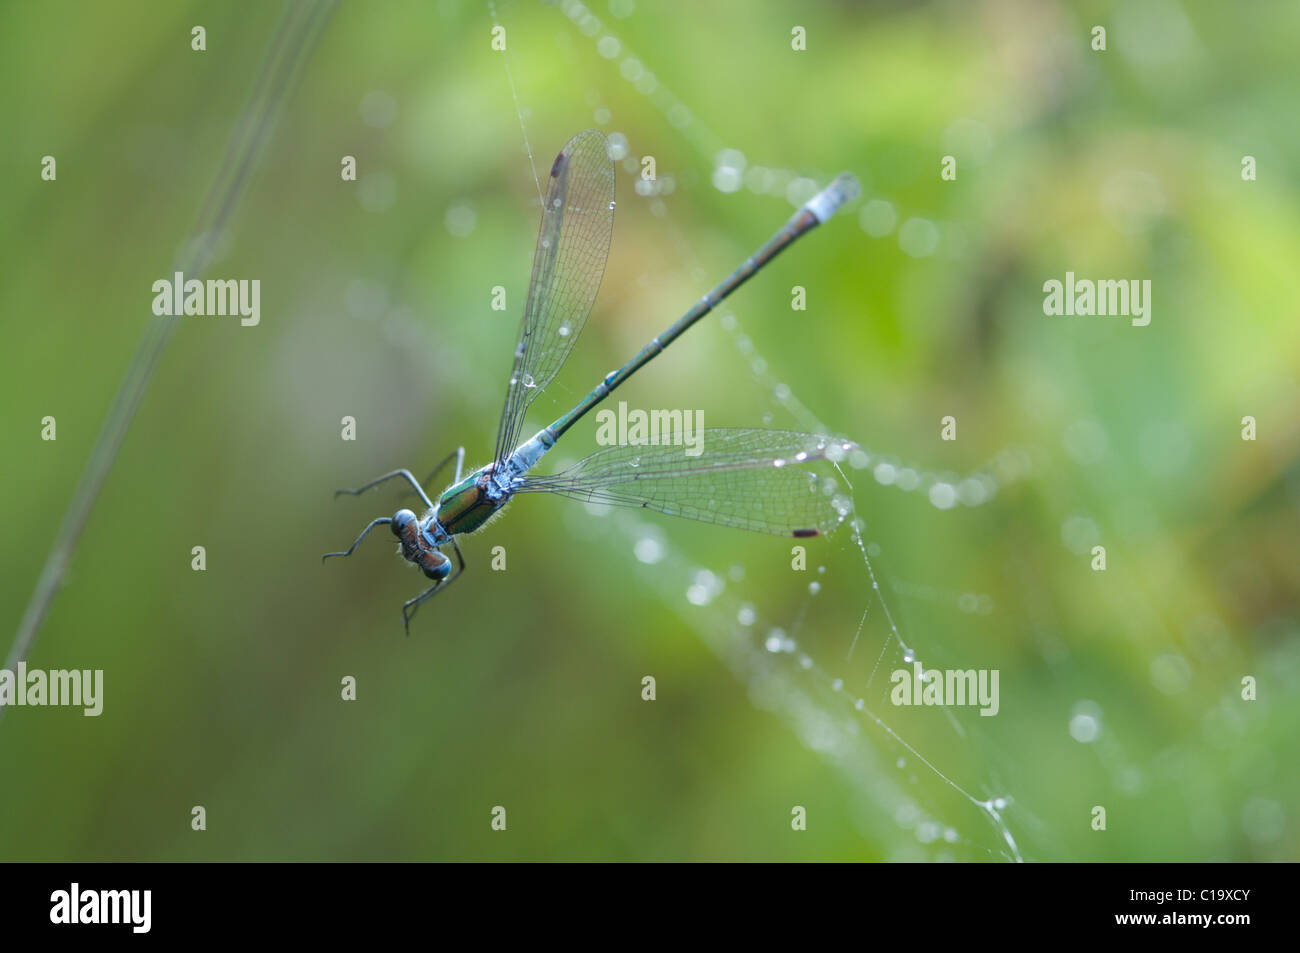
1085 722
564 330
528 381
919 237
608 46
648 550
704 589
837 685
616 143
611 206
943 496
877 218
814 587
747 615
778 463
460 219
908 655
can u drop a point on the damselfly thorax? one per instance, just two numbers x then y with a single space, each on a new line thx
464 508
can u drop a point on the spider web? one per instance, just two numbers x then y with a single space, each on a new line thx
824 674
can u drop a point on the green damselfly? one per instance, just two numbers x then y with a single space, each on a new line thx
748 478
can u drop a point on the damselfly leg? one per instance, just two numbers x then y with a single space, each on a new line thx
383 520
404 474
459 455
409 609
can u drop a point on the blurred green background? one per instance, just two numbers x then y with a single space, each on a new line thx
522 688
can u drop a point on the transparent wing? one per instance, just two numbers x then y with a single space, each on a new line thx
572 246
757 480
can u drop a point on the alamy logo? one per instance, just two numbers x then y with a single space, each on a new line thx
212 297
1083 296
951 688
133 907
640 428
57 687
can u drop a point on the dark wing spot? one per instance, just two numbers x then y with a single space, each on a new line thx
805 533
558 165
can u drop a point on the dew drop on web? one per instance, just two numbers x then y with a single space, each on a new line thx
704 588
648 550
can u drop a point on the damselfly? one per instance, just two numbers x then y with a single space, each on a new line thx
751 479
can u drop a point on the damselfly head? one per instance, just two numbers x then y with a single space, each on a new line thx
418 548
407 529
435 565
401 520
